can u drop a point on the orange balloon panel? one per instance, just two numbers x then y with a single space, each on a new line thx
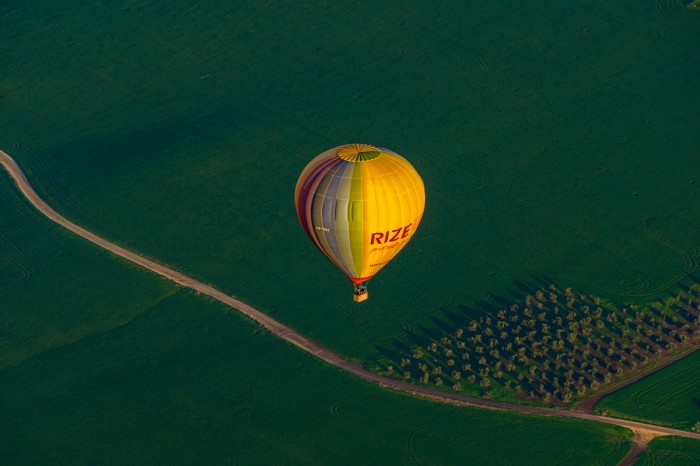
360 205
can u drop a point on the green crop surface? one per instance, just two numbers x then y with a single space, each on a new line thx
106 363
550 146
669 397
557 141
670 451
56 290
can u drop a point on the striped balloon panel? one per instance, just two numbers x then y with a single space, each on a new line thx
360 210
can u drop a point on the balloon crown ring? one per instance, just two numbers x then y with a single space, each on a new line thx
359 152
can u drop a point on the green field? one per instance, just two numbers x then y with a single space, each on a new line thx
550 146
670 451
669 397
104 363
558 151
56 288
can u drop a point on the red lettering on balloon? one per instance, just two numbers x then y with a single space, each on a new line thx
396 234
391 235
378 237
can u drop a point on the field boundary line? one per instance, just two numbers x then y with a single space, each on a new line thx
640 429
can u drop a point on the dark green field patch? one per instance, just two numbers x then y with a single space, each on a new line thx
670 451
556 150
149 373
669 397
190 383
549 146
56 289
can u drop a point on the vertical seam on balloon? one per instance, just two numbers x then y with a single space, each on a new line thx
329 195
383 209
369 185
342 220
410 179
336 246
304 206
355 202
406 178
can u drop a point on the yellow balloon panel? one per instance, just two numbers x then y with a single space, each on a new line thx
393 201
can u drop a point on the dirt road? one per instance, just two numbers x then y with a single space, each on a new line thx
643 432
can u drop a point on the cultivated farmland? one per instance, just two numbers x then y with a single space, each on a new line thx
104 362
669 397
177 135
670 451
551 149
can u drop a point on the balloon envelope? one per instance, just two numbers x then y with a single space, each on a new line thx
360 205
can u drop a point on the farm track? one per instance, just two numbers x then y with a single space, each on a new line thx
643 432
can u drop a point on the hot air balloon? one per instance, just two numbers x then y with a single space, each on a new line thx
360 205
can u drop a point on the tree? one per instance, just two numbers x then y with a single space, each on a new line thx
552 350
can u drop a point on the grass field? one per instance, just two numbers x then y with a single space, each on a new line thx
549 145
669 397
106 364
57 289
670 451
558 151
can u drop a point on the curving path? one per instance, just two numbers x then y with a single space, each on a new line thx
643 432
